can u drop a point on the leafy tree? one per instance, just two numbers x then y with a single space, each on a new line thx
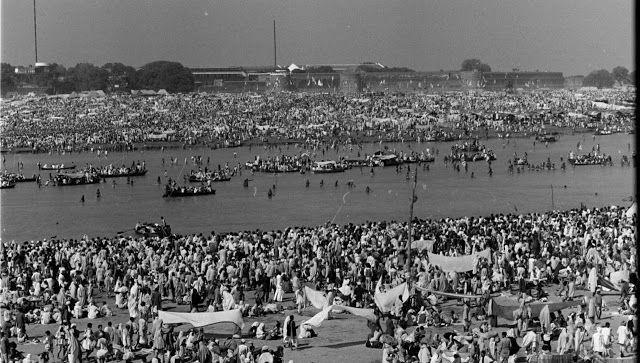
620 74
632 77
171 76
475 65
87 77
321 69
601 79
368 67
7 78
121 75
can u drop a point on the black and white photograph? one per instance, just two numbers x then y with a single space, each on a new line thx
310 181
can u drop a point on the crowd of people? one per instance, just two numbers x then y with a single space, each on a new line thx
121 122
58 281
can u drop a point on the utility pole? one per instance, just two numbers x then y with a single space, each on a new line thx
410 240
275 59
35 30
552 202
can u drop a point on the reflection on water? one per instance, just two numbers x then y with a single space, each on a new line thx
29 212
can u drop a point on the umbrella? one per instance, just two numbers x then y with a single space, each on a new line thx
388 339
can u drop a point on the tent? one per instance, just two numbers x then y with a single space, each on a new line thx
202 319
632 210
506 308
422 244
386 300
458 263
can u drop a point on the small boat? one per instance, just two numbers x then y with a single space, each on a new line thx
153 229
360 162
65 179
520 161
325 167
20 178
589 159
125 173
55 166
7 183
178 191
204 178
546 138
388 159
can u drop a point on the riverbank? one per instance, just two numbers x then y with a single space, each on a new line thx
358 139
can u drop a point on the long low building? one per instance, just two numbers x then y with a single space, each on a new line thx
349 78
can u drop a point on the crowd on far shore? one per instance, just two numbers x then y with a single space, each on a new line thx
121 122
58 281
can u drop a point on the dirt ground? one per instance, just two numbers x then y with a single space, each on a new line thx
339 339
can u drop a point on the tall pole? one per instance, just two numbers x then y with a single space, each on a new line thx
275 59
552 202
35 30
413 201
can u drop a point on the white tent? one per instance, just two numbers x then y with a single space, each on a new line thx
293 67
632 210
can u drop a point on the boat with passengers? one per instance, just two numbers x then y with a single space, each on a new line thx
325 167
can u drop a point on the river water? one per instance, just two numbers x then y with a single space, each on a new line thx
29 212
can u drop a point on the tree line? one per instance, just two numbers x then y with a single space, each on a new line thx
604 79
111 77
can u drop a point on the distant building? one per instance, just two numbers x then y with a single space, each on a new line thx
232 79
525 80
573 82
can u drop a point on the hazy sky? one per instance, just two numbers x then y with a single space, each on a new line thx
572 36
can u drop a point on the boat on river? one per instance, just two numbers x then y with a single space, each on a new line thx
121 172
546 138
152 229
20 178
172 191
589 159
6 183
80 178
201 177
55 166
325 167
520 160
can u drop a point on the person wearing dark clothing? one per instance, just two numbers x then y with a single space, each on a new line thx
598 302
156 299
291 332
20 321
195 300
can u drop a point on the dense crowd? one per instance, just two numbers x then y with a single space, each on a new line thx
121 122
57 281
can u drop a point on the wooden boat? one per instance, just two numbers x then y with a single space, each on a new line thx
361 162
7 183
55 166
388 159
325 167
546 138
178 191
65 179
152 229
127 173
582 160
417 158
20 178
204 178
520 161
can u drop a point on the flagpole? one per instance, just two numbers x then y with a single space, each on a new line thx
410 239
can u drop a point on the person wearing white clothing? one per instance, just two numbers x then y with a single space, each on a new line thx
597 342
279 294
623 333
